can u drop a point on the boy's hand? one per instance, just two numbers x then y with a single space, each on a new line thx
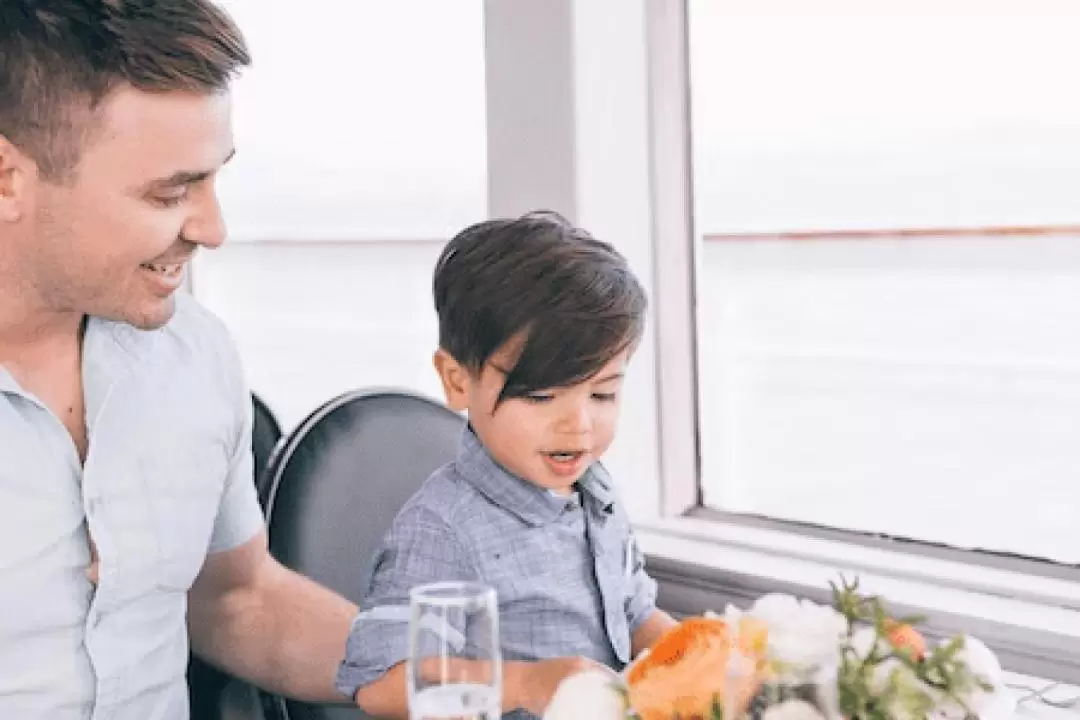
531 685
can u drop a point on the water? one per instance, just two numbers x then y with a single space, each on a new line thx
465 701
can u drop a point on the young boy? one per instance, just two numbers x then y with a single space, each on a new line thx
537 324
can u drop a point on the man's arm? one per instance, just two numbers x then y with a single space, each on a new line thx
525 685
267 624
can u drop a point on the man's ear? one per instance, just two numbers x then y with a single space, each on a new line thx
455 380
16 174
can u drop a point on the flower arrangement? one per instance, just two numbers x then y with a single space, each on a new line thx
791 659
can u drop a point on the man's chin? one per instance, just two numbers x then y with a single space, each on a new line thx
150 317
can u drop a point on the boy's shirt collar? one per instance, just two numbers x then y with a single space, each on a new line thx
531 503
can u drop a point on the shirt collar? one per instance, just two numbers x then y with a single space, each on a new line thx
532 504
7 383
109 349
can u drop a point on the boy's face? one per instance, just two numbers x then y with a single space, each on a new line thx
549 438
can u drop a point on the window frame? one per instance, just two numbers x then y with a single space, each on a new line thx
609 113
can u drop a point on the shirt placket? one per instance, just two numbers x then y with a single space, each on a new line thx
607 556
101 381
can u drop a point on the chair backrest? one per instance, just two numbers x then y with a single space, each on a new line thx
265 436
338 481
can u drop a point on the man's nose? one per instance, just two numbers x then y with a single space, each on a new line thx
207 226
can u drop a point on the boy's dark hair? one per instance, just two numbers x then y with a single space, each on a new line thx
571 297
60 58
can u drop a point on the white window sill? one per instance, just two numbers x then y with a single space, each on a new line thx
1036 618
1036 602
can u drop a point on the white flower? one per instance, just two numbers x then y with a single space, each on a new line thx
589 695
792 710
992 704
981 660
801 633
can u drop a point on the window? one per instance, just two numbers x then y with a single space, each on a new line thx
361 147
889 267
358 120
803 187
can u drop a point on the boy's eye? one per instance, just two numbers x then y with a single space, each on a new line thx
604 397
539 397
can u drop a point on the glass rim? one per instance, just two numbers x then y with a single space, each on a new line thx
452 593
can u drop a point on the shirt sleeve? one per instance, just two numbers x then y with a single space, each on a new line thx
420 548
641 600
239 516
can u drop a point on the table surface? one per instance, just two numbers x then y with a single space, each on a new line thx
1033 709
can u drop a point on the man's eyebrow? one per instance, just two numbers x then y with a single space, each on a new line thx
608 378
187 177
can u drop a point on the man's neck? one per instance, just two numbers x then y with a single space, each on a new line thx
30 331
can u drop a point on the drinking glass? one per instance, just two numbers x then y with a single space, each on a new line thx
454 667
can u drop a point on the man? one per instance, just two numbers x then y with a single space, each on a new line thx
126 495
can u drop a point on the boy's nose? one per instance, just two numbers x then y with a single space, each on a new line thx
576 420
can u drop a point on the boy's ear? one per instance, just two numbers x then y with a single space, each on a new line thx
455 380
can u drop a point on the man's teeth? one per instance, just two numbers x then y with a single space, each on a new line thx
565 455
164 269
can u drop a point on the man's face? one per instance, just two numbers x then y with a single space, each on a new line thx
113 239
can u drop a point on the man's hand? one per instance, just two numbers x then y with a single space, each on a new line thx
532 685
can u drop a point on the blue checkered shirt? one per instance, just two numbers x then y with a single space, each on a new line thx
569 578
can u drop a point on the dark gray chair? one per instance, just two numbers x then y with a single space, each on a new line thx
266 434
338 481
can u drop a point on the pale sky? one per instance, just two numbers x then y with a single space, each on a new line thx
368 118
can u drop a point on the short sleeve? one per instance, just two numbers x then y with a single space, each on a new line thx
239 516
420 548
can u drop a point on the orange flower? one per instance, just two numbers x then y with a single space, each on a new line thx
687 669
905 639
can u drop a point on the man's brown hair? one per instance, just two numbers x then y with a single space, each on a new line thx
60 58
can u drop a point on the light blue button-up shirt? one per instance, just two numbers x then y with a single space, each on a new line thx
569 577
168 478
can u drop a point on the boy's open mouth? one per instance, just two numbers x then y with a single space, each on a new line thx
566 463
565 455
